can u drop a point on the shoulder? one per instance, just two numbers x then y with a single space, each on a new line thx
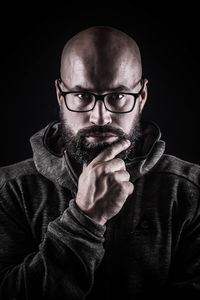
174 166
17 171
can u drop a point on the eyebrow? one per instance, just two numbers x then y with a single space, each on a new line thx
119 88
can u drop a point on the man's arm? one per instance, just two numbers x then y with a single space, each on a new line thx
61 267
185 271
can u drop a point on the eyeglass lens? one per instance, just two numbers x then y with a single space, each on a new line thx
114 102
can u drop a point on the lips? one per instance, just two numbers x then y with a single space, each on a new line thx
101 135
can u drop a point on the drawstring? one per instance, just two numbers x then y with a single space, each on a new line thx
72 174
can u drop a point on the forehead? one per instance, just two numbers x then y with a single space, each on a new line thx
100 74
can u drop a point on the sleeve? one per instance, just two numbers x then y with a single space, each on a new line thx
61 267
185 272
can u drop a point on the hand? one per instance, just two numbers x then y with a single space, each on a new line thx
104 184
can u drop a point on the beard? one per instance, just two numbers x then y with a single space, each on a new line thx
82 151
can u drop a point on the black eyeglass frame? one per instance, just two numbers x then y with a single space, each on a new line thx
100 97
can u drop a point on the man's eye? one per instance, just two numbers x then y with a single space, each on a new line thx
116 96
85 97
120 96
81 96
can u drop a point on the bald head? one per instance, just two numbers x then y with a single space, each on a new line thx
101 55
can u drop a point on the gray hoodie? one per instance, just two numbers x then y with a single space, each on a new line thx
49 249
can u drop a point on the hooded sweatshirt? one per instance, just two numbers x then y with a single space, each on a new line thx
49 249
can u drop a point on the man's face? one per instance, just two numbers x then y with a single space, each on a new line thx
87 134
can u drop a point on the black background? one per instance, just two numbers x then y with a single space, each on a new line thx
32 38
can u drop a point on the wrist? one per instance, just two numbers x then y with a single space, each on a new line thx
92 215
99 220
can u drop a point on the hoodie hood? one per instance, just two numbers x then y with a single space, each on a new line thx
53 162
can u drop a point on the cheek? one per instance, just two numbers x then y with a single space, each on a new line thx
75 121
124 122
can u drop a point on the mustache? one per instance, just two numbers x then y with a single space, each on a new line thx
101 129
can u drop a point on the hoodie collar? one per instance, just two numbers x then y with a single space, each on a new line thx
53 162
149 150
48 156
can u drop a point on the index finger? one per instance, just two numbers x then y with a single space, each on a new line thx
111 151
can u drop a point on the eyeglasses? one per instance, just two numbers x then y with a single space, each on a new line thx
116 102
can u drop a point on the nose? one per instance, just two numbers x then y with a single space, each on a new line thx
100 115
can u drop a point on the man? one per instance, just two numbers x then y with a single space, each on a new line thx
100 212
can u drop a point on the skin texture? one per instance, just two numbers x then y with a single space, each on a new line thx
104 185
102 59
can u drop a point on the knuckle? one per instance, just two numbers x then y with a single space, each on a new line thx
97 169
121 161
127 174
93 172
105 169
123 166
101 169
131 187
126 188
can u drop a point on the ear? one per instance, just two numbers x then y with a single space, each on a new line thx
144 94
58 94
